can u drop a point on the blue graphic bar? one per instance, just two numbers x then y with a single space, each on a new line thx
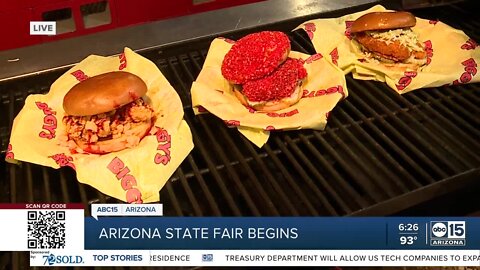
294 233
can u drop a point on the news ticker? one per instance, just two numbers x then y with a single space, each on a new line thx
61 233
239 258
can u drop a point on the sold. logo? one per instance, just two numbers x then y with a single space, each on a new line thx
62 260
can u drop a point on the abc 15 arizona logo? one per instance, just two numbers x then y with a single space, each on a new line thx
448 233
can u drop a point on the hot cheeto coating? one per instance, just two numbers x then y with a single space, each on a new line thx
255 56
280 84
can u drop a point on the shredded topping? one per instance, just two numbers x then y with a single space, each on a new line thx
405 36
109 125
280 84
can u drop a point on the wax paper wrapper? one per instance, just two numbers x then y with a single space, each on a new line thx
132 175
324 88
452 57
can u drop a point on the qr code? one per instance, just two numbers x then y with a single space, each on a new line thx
46 229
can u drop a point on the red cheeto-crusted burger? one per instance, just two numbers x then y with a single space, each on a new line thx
388 38
106 113
263 75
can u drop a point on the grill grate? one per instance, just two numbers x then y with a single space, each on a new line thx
381 153
377 146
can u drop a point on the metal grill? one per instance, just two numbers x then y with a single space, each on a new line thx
380 154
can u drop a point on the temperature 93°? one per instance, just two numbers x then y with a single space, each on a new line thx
406 240
408 227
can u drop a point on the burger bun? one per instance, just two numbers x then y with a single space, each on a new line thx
103 93
383 21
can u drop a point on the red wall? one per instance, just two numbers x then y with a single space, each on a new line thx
15 16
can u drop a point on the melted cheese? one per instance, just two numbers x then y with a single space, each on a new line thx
406 37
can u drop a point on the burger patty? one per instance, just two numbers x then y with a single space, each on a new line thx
110 125
393 51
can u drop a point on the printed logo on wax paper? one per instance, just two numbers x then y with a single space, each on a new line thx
470 44
334 56
348 26
63 160
127 181
49 121
284 114
310 28
9 154
201 109
227 40
250 109
164 144
428 50
404 81
232 123
313 58
323 92
79 75
123 61
470 71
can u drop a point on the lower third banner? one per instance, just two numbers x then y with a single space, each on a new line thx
287 233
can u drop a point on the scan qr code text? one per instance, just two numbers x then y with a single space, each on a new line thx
46 229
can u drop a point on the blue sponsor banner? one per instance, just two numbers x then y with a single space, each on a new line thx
244 233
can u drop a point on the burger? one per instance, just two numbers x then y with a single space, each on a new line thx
263 76
388 38
107 113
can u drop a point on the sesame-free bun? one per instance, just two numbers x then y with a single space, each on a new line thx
103 93
383 21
